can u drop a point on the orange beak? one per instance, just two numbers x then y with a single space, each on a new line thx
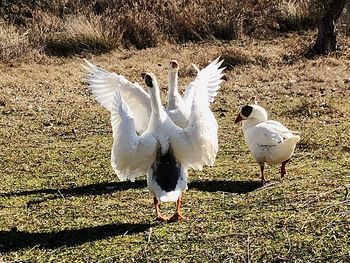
239 118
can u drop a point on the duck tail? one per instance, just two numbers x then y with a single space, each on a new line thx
292 140
170 196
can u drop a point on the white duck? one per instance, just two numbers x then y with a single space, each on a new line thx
163 151
103 85
269 141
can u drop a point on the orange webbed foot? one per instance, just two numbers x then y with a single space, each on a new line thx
177 217
263 179
161 218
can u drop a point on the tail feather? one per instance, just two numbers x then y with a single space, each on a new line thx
170 196
292 140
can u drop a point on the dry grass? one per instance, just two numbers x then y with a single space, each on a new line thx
75 34
295 15
65 28
61 202
75 26
14 45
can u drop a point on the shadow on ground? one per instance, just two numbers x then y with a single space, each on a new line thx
15 240
91 189
105 188
239 187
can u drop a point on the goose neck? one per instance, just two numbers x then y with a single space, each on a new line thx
172 89
156 104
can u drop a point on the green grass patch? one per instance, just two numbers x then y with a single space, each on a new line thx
61 202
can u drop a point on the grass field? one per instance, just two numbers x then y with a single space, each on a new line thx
61 202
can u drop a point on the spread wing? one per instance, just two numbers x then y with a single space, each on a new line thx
103 85
197 144
210 77
132 155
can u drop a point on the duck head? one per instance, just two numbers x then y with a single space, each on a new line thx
252 112
153 90
173 66
150 80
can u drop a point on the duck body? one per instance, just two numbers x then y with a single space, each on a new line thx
167 178
269 141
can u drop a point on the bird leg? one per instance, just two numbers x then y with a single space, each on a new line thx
283 168
157 207
262 173
178 215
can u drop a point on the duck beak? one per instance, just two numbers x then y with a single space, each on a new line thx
239 118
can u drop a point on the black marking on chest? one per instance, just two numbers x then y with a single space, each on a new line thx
166 171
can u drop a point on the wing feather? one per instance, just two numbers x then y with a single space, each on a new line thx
132 155
268 135
281 128
103 85
210 76
197 144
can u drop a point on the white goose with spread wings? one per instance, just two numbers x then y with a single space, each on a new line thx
163 150
269 141
103 84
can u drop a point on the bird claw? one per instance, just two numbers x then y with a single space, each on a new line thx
161 219
177 217
263 179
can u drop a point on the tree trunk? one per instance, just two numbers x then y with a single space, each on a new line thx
326 41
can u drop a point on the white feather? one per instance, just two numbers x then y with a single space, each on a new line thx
197 144
132 155
103 85
269 141
194 146
210 79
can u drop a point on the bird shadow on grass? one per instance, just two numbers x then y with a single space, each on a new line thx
91 189
14 240
238 187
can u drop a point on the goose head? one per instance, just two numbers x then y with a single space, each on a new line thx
150 80
153 90
173 66
151 83
252 112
